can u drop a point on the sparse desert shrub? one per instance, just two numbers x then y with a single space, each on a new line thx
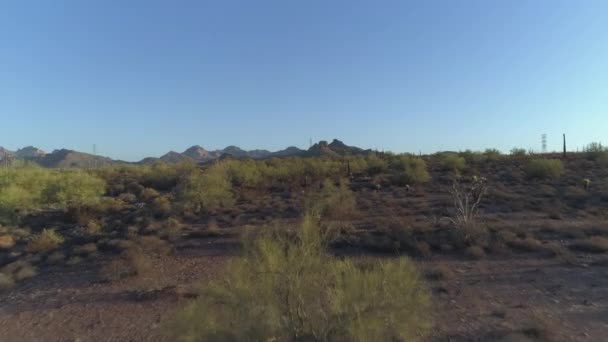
209 190
333 202
453 163
376 165
161 206
149 194
93 228
288 288
544 168
6 282
594 244
6 242
408 170
560 252
475 252
133 261
172 228
47 241
25 272
466 199
518 152
492 154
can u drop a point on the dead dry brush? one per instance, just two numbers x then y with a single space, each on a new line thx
467 198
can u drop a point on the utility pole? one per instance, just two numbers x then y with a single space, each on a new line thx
564 145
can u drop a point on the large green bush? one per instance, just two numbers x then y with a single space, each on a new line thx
287 288
408 169
207 190
26 188
333 202
453 162
544 168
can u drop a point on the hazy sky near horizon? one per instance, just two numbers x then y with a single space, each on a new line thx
140 78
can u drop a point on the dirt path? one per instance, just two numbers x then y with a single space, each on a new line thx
519 298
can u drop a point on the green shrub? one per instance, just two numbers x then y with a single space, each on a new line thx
26 188
207 190
518 152
544 168
492 154
47 241
409 170
376 165
453 163
333 202
287 288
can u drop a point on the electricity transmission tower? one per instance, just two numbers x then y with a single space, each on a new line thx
543 140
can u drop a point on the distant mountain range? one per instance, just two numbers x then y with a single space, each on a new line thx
68 158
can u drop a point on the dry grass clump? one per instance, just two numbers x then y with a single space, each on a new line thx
561 253
595 244
6 282
93 228
131 262
172 228
475 252
287 288
161 206
18 270
47 241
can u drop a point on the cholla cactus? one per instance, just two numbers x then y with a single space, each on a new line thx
466 201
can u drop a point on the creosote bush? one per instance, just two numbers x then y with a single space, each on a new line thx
333 201
408 169
208 190
26 187
544 168
47 241
453 163
286 287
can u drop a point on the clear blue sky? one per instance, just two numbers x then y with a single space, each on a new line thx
140 78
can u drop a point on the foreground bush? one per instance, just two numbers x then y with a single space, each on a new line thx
287 288
544 168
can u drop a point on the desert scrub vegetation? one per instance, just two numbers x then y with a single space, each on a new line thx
407 169
205 190
518 152
47 241
286 287
544 168
453 163
333 201
25 187
466 198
